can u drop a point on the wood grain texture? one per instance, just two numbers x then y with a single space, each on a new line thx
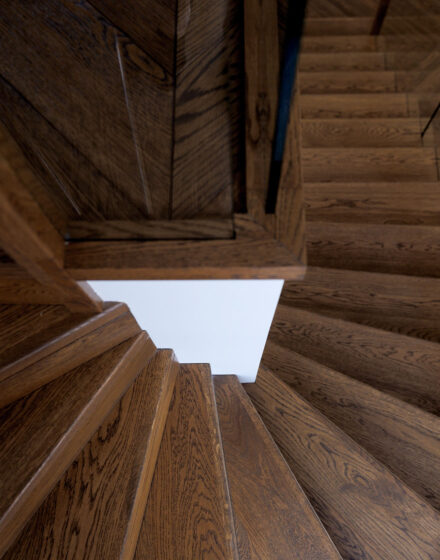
402 366
368 512
339 44
363 133
369 164
189 512
65 352
355 81
120 96
347 61
374 203
401 436
208 228
338 26
29 238
354 105
401 25
340 8
262 62
203 173
254 253
393 249
53 424
403 304
273 517
96 509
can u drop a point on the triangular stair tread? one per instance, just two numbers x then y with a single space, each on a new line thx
369 164
355 105
188 513
404 203
354 81
362 133
400 365
402 436
102 496
392 249
273 517
368 512
49 427
75 345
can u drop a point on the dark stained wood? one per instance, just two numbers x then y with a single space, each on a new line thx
15 290
354 105
120 97
338 26
203 173
374 203
254 253
150 23
29 238
368 512
405 304
402 366
339 44
347 61
360 81
368 133
208 228
262 63
273 517
393 249
402 436
379 17
338 8
189 513
369 164
425 24
97 508
65 352
51 425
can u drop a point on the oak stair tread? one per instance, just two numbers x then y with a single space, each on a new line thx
365 133
402 436
116 466
369 164
189 512
402 366
367 511
325 61
394 249
42 433
393 25
407 305
355 105
273 517
80 342
369 43
343 82
410 203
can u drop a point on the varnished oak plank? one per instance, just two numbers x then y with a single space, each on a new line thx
374 203
402 366
339 44
394 249
189 513
262 82
347 61
369 164
338 26
53 424
209 228
402 436
116 467
355 81
65 352
254 253
29 238
354 105
402 304
273 517
368 512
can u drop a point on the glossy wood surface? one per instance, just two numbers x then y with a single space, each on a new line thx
189 513
402 436
53 424
66 351
273 517
368 512
403 366
96 509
